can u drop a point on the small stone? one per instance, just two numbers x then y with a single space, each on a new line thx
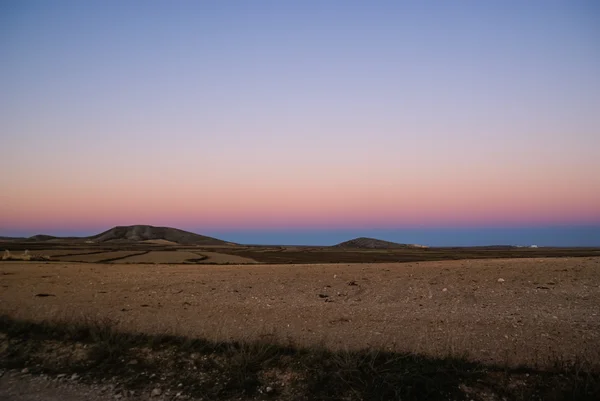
25 371
444 290
156 392
180 385
269 389
500 280
60 376
74 376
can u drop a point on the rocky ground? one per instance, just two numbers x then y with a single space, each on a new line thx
21 385
535 312
514 310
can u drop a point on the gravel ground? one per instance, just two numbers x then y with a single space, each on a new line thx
15 386
506 311
22 386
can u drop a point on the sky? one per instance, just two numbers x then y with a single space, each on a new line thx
434 122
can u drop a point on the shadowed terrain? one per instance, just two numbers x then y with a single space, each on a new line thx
372 243
148 233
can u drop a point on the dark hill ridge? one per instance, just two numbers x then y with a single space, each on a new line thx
42 237
11 238
145 233
372 243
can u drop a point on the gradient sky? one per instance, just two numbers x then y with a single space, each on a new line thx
286 119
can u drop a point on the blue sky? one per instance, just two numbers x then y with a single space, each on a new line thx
301 116
575 236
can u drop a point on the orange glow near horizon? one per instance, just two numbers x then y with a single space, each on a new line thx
245 206
295 115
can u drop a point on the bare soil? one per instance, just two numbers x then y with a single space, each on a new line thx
516 311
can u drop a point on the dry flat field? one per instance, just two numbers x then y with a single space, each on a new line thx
162 257
503 310
136 255
184 256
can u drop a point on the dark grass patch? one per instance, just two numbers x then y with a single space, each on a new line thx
265 370
199 259
121 257
337 255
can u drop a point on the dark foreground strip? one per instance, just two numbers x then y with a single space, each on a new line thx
97 353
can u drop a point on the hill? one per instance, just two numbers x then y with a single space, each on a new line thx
11 239
41 237
151 233
372 243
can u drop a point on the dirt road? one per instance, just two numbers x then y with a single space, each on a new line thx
511 310
23 387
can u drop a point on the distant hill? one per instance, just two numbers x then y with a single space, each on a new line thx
11 239
151 233
41 237
372 243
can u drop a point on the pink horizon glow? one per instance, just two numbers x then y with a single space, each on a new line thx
298 115
301 208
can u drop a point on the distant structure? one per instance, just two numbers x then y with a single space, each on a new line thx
533 246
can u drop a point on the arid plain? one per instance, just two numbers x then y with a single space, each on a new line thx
515 310
140 310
